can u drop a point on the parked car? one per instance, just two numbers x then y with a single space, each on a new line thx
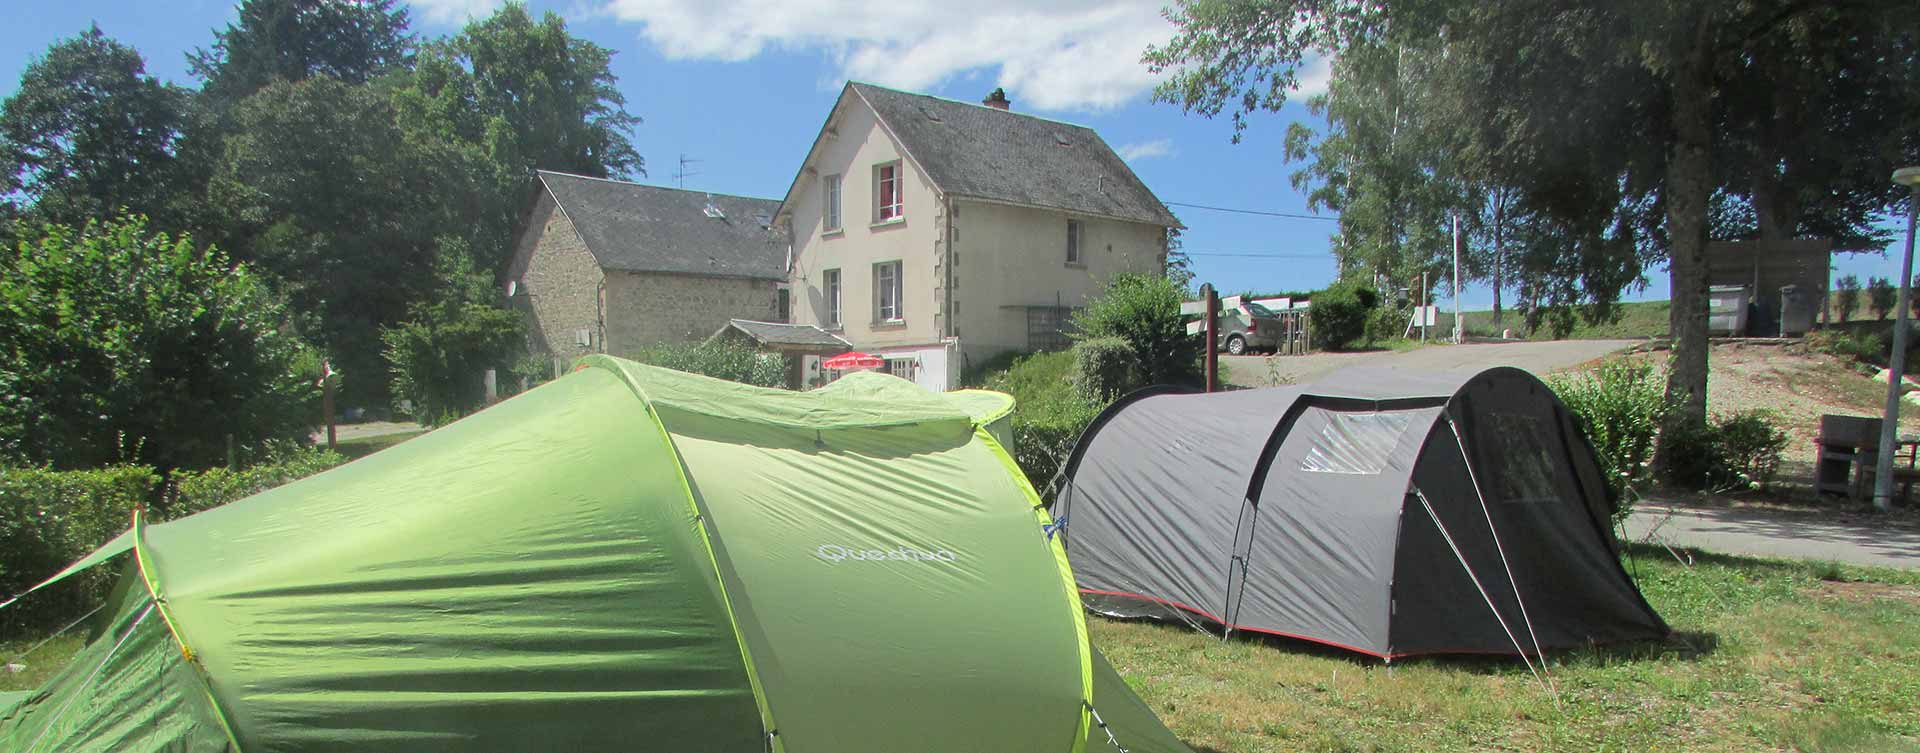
1249 327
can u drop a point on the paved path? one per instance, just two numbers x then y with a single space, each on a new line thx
344 432
1537 357
1777 534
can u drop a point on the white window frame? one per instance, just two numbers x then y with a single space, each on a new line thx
830 214
1075 234
896 367
888 283
831 283
884 174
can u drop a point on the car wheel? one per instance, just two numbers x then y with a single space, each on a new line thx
1237 345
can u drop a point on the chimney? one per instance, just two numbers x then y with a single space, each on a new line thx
998 100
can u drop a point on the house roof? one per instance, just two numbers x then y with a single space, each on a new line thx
635 228
999 155
774 333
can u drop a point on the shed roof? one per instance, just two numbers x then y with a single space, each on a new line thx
637 228
776 333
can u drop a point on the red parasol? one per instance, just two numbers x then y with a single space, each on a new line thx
853 361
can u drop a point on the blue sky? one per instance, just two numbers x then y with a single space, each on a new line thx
742 85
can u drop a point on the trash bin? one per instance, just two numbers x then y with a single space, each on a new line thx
1798 309
1727 310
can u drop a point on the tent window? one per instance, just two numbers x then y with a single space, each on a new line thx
1517 460
1355 443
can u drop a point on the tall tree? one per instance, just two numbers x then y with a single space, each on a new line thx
317 186
1807 125
89 133
290 40
548 99
1603 113
504 97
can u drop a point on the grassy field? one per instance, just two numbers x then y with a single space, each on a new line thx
1637 320
36 668
1766 656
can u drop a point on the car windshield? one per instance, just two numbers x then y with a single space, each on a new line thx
1257 309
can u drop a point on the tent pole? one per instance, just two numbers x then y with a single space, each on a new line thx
1474 477
1515 640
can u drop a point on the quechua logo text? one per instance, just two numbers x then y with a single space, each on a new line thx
836 553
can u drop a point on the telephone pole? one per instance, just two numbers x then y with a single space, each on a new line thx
1458 335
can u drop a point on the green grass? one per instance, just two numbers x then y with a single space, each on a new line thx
361 447
1766 656
42 664
1641 319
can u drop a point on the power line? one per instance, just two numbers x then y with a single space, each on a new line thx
1258 255
1263 213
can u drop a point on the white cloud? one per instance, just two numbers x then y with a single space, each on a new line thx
1146 150
1050 55
452 12
1313 76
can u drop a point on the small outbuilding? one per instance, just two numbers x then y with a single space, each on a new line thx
793 342
1386 512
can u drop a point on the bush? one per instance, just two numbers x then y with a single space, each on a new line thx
1105 368
1881 296
1741 451
1386 323
719 359
1750 444
1856 345
1144 311
193 491
1049 414
1340 313
440 354
1620 406
1042 442
48 519
122 345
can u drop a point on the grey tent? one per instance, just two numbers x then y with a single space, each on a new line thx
1386 512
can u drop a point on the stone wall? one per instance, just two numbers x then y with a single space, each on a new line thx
645 308
556 280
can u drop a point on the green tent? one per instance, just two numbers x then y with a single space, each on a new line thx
627 558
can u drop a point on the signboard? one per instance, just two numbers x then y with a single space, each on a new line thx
1426 316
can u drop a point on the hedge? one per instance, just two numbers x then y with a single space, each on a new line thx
50 518
1106 367
193 491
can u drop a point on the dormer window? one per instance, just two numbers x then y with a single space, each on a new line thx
889 202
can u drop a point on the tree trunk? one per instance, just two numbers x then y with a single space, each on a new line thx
1688 187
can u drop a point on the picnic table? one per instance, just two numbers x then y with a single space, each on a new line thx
1848 453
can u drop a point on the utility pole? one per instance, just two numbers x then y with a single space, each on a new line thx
1458 335
1896 366
1423 306
1213 341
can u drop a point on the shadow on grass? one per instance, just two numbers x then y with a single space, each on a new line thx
1639 554
1681 646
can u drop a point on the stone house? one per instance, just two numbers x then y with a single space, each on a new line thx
608 266
938 233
